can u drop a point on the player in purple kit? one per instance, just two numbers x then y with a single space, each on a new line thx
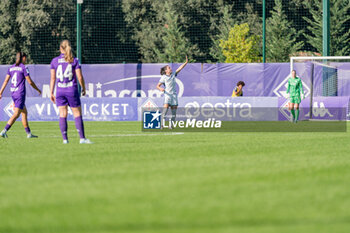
66 70
18 73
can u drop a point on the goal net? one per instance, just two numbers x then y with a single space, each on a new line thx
324 78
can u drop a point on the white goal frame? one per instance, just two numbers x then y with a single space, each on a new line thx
292 59
308 58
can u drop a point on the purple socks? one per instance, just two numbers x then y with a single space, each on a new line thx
63 127
27 130
7 127
80 126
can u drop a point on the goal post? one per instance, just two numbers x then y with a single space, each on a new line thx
310 58
324 75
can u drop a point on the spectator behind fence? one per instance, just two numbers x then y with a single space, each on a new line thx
238 91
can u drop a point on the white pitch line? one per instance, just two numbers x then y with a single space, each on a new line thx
135 135
119 135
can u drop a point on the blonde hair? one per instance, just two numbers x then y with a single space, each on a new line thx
66 47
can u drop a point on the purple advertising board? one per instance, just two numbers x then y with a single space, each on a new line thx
93 109
129 109
225 108
196 79
323 108
197 83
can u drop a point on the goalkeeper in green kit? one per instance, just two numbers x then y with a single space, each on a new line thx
296 94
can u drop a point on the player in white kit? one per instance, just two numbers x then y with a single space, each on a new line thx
168 79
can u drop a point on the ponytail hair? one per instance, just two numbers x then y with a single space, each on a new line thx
162 70
67 48
19 56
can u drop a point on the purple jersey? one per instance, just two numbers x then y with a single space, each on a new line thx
18 74
65 74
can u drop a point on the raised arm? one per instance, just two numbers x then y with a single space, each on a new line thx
52 85
81 81
30 81
182 66
7 79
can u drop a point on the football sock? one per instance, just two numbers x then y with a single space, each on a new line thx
7 128
79 124
293 113
173 114
297 115
64 127
27 129
165 111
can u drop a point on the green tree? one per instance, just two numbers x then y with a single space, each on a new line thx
199 21
159 30
136 30
43 24
223 27
228 17
105 38
339 30
202 22
251 16
10 39
282 38
240 47
174 44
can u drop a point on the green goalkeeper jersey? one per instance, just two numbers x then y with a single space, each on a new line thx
295 87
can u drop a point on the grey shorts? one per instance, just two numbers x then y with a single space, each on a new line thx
170 99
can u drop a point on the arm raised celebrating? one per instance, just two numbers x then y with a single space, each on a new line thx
182 66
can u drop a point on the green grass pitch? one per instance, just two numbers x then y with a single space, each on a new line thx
132 181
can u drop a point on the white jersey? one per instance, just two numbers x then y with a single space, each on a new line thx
169 83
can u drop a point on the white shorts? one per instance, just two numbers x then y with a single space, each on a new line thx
170 99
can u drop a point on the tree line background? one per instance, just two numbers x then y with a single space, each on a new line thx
156 31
